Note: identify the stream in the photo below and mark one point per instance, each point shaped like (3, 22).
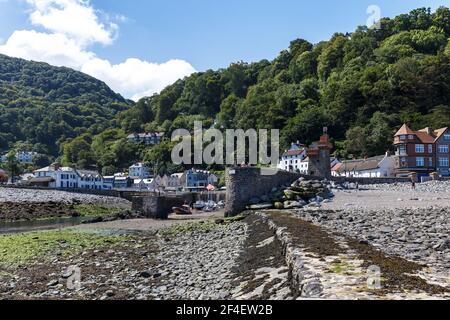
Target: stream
(12, 227)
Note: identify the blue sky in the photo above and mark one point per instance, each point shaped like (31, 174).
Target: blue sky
(202, 33)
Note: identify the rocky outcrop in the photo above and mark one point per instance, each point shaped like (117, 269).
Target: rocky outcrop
(301, 193)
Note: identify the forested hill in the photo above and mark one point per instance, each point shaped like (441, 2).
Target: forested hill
(362, 85)
(41, 105)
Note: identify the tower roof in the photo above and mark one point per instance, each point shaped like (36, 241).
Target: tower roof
(404, 130)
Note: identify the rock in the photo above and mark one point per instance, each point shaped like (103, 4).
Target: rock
(110, 293)
(292, 205)
(145, 274)
(53, 283)
(442, 246)
(261, 206)
(279, 205)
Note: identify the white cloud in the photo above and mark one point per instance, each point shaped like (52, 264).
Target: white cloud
(54, 48)
(137, 78)
(75, 18)
(74, 25)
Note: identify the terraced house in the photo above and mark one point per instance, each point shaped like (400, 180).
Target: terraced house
(422, 151)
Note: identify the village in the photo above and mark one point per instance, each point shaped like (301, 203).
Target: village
(420, 155)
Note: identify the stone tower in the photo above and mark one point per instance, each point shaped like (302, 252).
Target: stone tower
(319, 157)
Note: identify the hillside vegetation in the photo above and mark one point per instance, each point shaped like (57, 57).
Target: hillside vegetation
(362, 85)
(41, 106)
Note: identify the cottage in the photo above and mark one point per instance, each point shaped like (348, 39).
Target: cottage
(292, 159)
(374, 167)
(139, 171)
(122, 182)
(146, 138)
(89, 180)
(24, 157)
(144, 184)
(58, 177)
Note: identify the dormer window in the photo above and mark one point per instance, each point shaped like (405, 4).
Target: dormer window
(403, 137)
(410, 137)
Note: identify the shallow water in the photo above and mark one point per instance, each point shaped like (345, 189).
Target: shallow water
(45, 224)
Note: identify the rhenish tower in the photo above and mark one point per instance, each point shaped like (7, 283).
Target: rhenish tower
(319, 157)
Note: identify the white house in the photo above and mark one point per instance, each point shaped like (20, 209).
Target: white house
(144, 184)
(375, 167)
(147, 138)
(89, 180)
(291, 160)
(139, 171)
(25, 157)
(56, 177)
(68, 178)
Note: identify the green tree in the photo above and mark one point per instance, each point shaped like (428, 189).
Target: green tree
(12, 165)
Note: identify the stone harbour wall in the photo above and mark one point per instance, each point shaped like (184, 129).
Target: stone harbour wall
(245, 183)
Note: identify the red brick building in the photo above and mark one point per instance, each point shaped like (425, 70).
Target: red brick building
(422, 152)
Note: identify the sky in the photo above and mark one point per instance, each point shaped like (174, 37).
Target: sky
(138, 47)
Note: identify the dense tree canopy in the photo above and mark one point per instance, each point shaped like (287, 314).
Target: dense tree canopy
(44, 105)
(361, 85)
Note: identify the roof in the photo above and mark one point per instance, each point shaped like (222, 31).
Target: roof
(359, 164)
(84, 173)
(404, 130)
(46, 169)
(177, 175)
(146, 135)
(293, 152)
(337, 167)
(440, 132)
(425, 135)
(42, 180)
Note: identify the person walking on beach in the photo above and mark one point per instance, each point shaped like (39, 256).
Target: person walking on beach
(413, 184)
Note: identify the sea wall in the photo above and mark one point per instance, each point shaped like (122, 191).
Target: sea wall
(246, 183)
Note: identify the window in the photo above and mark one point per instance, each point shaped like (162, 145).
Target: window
(430, 148)
(404, 163)
(430, 162)
(447, 137)
(420, 162)
(410, 137)
(402, 137)
(402, 150)
(420, 148)
(443, 148)
(443, 162)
